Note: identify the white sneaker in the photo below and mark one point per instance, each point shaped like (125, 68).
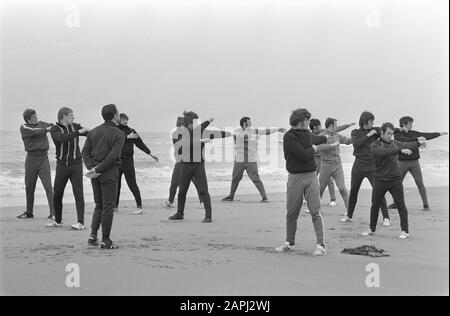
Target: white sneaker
(307, 211)
(168, 204)
(116, 210)
(286, 247)
(368, 233)
(54, 225)
(346, 219)
(387, 222)
(139, 211)
(78, 226)
(332, 204)
(320, 251)
(403, 235)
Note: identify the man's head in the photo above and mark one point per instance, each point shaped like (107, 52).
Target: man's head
(190, 119)
(387, 131)
(330, 123)
(123, 119)
(300, 118)
(315, 125)
(110, 113)
(366, 120)
(65, 116)
(30, 117)
(407, 122)
(180, 121)
(245, 122)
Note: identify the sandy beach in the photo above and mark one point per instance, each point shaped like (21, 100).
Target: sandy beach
(231, 256)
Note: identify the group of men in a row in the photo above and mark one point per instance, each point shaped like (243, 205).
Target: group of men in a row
(312, 160)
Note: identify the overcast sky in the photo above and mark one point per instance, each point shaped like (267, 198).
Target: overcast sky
(226, 59)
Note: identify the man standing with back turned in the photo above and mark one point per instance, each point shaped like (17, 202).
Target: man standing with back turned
(101, 155)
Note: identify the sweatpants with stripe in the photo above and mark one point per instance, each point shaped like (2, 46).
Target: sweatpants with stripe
(303, 186)
(252, 171)
(333, 170)
(64, 173)
(38, 166)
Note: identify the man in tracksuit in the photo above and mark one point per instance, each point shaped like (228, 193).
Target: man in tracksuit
(34, 137)
(174, 183)
(101, 155)
(127, 162)
(69, 165)
(364, 164)
(193, 163)
(246, 147)
(316, 128)
(299, 147)
(410, 163)
(331, 165)
(388, 177)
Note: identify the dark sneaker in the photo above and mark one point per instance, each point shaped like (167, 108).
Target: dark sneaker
(108, 245)
(228, 199)
(93, 242)
(176, 217)
(25, 216)
(392, 206)
(207, 220)
(426, 209)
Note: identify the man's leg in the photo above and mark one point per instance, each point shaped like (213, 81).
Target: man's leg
(31, 176)
(294, 202)
(416, 172)
(339, 178)
(404, 167)
(383, 206)
(252, 171)
(61, 177)
(313, 199)
(326, 171)
(358, 174)
(202, 187)
(196, 184)
(186, 174)
(378, 192)
(98, 210)
(76, 179)
(398, 195)
(174, 182)
(108, 186)
(46, 179)
(238, 173)
(130, 177)
(119, 186)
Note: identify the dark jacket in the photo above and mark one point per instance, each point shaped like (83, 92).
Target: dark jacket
(66, 140)
(412, 136)
(35, 138)
(361, 144)
(128, 147)
(191, 138)
(386, 161)
(103, 147)
(298, 150)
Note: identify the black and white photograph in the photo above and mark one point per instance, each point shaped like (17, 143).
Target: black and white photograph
(224, 155)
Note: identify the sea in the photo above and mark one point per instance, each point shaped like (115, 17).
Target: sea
(154, 178)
